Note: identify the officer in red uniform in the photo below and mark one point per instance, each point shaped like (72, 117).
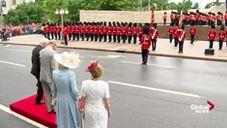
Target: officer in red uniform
(221, 37)
(182, 37)
(135, 33)
(129, 34)
(212, 35)
(171, 32)
(145, 44)
(192, 32)
(154, 37)
(176, 35)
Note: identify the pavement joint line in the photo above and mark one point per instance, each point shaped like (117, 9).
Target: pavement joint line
(11, 63)
(18, 50)
(157, 89)
(7, 110)
(155, 65)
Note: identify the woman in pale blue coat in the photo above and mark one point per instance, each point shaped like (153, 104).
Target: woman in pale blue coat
(65, 91)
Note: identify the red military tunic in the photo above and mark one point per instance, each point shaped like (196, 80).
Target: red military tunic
(135, 31)
(114, 32)
(176, 32)
(221, 35)
(109, 30)
(145, 42)
(182, 35)
(171, 30)
(192, 30)
(155, 35)
(130, 31)
(212, 34)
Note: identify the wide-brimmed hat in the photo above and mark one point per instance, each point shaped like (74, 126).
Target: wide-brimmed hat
(93, 65)
(69, 60)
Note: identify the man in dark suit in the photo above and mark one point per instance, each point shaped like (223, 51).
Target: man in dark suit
(36, 68)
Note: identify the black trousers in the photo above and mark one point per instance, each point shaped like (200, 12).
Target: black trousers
(164, 20)
(192, 38)
(176, 41)
(45, 35)
(70, 36)
(82, 36)
(134, 39)
(211, 44)
(77, 36)
(154, 42)
(66, 40)
(114, 38)
(129, 39)
(92, 36)
(220, 44)
(48, 35)
(118, 38)
(225, 22)
(170, 38)
(110, 37)
(96, 37)
(124, 38)
(181, 45)
(144, 55)
(100, 37)
(56, 35)
(219, 22)
(74, 36)
(104, 37)
(39, 95)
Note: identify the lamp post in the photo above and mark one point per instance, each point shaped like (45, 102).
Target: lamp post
(61, 12)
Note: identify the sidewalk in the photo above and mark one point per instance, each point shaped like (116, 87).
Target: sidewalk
(164, 48)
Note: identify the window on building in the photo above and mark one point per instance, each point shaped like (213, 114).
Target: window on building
(14, 2)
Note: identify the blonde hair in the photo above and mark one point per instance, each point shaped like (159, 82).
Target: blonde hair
(97, 72)
(60, 66)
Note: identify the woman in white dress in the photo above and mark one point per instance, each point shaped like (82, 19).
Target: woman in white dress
(95, 103)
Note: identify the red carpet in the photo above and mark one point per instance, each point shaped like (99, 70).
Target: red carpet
(38, 113)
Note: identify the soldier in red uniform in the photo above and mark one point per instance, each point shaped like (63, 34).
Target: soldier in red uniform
(82, 31)
(221, 37)
(124, 32)
(96, 27)
(154, 37)
(119, 32)
(171, 32)
(100, 31)
(192, 32)
(172, 17)
(77, 31)
(140, 32)
(219, 19)
(129, 33)
(114, 32)
(105, 30)
(55, 31)
(182, 37)
(92, 31)
(109, 31)
(212, 35)
(70, 31)
(197, 17)
(164, 18)
(135, 33)
(145, 44)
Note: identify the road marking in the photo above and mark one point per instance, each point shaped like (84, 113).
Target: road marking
(6, 46)
(5, 62)
(154, 65)
(7, 110)
(19, 50)
(156, 89)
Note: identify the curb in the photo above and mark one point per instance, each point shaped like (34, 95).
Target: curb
(131, 52)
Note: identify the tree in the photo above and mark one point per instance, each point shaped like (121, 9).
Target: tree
(25, 13)
(196, 5)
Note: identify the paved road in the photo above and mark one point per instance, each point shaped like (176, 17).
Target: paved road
(158, 95)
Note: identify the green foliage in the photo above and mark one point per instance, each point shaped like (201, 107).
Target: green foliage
(25, 13)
